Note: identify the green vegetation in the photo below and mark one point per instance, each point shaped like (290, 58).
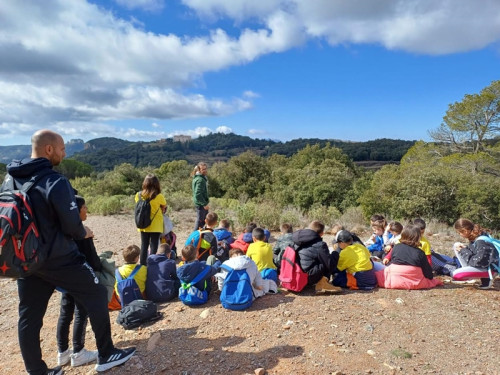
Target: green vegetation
(105, 153)
(401, 353)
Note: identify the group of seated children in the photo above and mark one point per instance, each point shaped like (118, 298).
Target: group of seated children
(405, 253)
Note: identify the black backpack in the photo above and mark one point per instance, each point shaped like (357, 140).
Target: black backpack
(143, 212)
(19, 236)
(138, 312)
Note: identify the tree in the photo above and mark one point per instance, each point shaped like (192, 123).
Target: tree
(469, 123)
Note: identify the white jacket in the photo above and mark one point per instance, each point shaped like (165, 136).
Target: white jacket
(259, 285)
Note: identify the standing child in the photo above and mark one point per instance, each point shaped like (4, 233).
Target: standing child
(79, 355)
(262, 254)
(131, 256)
(354, 266)
(162, 283)
(150, 236)
(192, 267)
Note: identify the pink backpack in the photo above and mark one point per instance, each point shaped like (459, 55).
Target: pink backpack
(291, 275)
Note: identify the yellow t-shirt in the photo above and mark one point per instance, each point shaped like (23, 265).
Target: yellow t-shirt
(425, 245)
(156, 225)
(354, 258)
(262, 254)
(140, 276)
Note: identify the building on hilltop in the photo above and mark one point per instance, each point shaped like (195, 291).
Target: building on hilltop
(182, 138)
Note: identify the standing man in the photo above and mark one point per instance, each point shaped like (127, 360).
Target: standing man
(59, 223)
(200, 193)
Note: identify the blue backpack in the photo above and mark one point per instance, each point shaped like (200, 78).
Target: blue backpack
(190, 295)
(200, 244)
(494, 263)
(128, 290)
(237, 292)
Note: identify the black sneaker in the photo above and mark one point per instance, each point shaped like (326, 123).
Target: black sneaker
(55, 371)
(116, 358)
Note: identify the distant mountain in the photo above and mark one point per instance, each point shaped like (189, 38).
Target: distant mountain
(9, 153)
(106, 153)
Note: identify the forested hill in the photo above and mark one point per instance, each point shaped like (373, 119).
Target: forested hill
(105, 153)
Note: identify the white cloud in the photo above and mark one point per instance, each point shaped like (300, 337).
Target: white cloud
(155, 125)
(147, 5)
(73, 62)
(224, 130)
(256, 132)
(422, 26)
(250, 94)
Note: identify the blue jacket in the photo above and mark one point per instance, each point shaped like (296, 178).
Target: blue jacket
(378, 245)
(54, 205)
(224, 234)
(189, 270)
(162, 283)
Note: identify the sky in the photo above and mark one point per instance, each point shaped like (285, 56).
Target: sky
(353, 70)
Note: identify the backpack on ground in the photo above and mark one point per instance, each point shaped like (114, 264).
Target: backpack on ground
(200, 244)
(291, 275)
(495, 255)
(190, 295)
(19, 236)
(237, 292)
(142, 212)
(128, 290)
(138, 312)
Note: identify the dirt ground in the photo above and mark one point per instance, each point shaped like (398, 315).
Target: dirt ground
(454, 329)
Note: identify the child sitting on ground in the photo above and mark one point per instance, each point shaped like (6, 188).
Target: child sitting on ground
(208, 241)
(162, 283)
(282, 243)
(314, 256)
(354, 265)
(192, 267)
(238, 261)
(376, 241)
(244, 239)
(261, 253)
(131, 257)
(224, 239)
(395, 229)
(425, 245)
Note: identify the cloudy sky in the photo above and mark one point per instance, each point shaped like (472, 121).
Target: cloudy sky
(279, 69)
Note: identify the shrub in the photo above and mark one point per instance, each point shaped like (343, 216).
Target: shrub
(327, 215)
(179, 200)
(294, 217)
(105, 205)
(245, 214)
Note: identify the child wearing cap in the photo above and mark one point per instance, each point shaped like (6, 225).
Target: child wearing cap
(354, 265)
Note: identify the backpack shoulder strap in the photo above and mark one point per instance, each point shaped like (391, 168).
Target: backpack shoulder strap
(200, 276)
(12, 183)
(226, 267)
(118, 275)
(134, 272)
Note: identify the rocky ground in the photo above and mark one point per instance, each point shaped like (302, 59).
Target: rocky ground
(453, 329)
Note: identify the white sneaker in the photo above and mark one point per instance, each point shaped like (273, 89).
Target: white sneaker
(64, 357)
(83, 356)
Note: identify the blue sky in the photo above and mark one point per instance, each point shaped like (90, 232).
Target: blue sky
(280, 69)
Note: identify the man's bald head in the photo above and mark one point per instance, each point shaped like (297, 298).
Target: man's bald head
(48, 144)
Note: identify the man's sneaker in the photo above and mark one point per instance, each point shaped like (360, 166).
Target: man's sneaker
(64, 357)
(55, 371)
(116, 358)
(83, 356)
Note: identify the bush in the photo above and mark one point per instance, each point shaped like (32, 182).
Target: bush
(327, 215)
(293, 217)
(245, 214)
(352, 218)
(106, 205)
(179, 200)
